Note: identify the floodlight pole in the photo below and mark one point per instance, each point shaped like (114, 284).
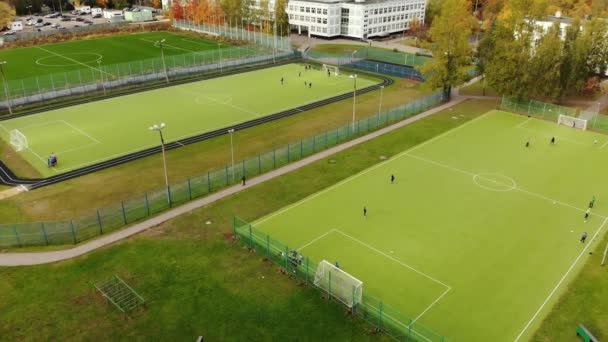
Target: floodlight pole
(231, 131)
(29, 7)
(160, 128)
(354, 77)
(162, 56)
(8, 100)
(380, 106)
(101, 75)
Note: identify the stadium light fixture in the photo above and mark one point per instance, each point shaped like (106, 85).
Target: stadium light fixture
(354, 78)
(162, 57)
(231, 131)
(159, 129)
(8, 100)
(101, 76)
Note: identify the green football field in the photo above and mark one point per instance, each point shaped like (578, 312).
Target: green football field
(58, 65)
(89, 133)
(477, 236)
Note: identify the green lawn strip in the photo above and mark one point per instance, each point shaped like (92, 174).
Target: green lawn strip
(583, 301)
(364, 51)
(193, 278)
(476, 89)
(81, 196)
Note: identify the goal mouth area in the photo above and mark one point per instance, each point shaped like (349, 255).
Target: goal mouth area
(18, 140)
(571, 121)
(339, 284)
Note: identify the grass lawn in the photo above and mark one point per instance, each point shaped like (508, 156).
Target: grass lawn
(93, 132)
(476, 89)
(470, 229)
(364, 51)
(195, 280)
(82, 195)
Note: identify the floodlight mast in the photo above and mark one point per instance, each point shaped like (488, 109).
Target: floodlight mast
(8, 100)
(159, 129)
(231, 132)
(162, 56)
(354, 78)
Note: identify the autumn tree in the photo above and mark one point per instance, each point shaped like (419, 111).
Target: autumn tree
(7, 12)
(450, 33)
(281, 17)
(416, 28)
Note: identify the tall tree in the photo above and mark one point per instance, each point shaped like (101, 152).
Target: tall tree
(281, 17)
(7, 12)
(545, 64)
(450, 33)
(574, 69)
(415, 29)
(594, 36)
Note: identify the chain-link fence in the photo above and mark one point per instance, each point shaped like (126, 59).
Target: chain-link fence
(537, 109)
(388, 69)
(366, 52)
(48, 33)
(126, 212)
(383, 317)
(83, 82)
(235, 31)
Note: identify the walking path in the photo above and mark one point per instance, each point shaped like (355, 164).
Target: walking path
(36, 258)
(304, 42)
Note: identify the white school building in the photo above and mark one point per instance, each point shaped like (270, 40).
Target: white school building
(357, 19)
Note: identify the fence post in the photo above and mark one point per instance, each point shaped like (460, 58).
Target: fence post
(244, 171)
(307, 269)
(274, 158)
(147, 204)
(329, 287)
(46, 238)
(17, 235)
(99, 221)
(301, 149)
(250, 237)
(287, 152)
(268, 245)
(314, 138)
(259, 164)
(234, 225)
(124, 214)
(73, 230)
(380, 316)
(208, 182)
(227, 174)
(189, 189)
(286, 257)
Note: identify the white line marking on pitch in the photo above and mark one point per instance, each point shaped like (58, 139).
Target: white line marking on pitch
(316, 239)
(81, 131)
(432, 304)
(517, 187)
(523, 123)
(73, 60)
(604, 144)
(559, 283)
(393, 259)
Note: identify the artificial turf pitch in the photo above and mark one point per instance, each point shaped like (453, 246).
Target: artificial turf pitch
(85, 134)
(477, 236)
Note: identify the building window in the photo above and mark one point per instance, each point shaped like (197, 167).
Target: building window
(325, 30)
(325, 11)
(324, 20)
(301, 9)
(307, 9)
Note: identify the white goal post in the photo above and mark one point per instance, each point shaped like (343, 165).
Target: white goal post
(18, 140)
(571, 121)
(339, 284)
(332, 69)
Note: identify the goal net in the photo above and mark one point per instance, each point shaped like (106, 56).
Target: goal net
(339, 284)
(18, 140)
(331, 69)
(571, 121)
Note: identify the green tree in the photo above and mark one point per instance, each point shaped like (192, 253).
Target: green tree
(545, 64)
(450, 33)
(574, 69)
(281, 17)
(594, 36)
(7, 12)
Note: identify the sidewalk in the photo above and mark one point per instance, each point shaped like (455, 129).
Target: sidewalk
(36, 258)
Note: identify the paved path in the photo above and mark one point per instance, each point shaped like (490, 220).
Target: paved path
(36, 258)
(304, 42)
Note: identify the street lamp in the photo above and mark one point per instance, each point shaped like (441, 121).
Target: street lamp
(8, 101)
(380, 106)
(231, 131)
(101, 77)
(162, 56)
(159, 129)
(354, 78)
(352, 55)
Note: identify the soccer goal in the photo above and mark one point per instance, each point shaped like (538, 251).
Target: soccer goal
(339, 284)
(18, 140)
(332, 69)
(571, 121)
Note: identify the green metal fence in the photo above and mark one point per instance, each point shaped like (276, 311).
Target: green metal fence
(108, 219)
(537, 109)
(382, 316)
(366, 52)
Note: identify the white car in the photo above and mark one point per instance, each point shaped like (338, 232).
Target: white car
(8, 33)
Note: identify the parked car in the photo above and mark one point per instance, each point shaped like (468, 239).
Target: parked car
(39, 25)
(79, 19)
(55, 26)
(46, 23)
(88, 22)
(39, 20)
(65, 19)
(76, 12)
(9, 32)
(97, 16)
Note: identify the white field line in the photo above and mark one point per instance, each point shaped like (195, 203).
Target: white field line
(353, 177)
(431, 305)
(73, 60)
(604, 144)
(5, 129)
(45, 162)
(560, 282)
(194, 41)
(316, 239)
(81, 131)
(521, 124)
(395, 260)
(77, 148)
(517, 187)
(557, 136)
(173, 47)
